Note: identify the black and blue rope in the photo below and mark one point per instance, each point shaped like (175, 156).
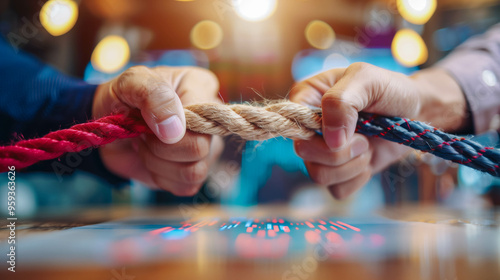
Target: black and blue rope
(423, 137)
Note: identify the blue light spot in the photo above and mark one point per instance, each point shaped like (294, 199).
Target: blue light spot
(175, 234)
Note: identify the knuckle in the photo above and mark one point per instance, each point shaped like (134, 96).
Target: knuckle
(132, 72)
(359, 66)
(203, 72)
(331, 100)
(137, 69)
(132, 88)
(195, 173)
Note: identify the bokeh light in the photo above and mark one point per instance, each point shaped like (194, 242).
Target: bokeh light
(409, 48)
(416, 11)
(58, 16)
(111, 54)
(319, 34)
(254, 10)
(335, 60)
(206, 35)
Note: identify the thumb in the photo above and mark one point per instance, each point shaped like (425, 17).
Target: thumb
(161, 108)
(364, 87)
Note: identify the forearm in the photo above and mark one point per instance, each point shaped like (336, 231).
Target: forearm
(475, 68)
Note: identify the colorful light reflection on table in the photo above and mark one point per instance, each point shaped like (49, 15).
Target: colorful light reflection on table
(272, 237)
(280, 240)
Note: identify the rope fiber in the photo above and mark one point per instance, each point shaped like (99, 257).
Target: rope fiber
(251, 122)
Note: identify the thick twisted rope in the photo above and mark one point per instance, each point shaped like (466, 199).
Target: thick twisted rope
(283, 118)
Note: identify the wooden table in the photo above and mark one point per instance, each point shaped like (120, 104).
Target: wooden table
(409, 262)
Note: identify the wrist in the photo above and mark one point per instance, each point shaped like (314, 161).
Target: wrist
(443, 103)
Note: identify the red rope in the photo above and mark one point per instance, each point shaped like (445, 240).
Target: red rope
(74, 139)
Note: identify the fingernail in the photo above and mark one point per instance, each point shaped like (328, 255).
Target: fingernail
(171, 129)
(359, 146)
(335, 138)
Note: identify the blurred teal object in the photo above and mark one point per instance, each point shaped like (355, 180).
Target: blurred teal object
(256, 166)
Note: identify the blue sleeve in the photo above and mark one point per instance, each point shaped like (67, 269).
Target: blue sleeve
(36, 99)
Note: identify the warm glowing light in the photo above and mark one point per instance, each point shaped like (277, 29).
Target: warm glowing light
(206, 35)
(416, 11)
(254, 10)
(111, 54)
(409, 48)
(58, 16)
(319, 34)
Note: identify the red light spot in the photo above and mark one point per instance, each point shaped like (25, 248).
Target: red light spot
(322, 227)
(349, 226)
(261, 233)
(286, 229)
(271, 233)
(296, 228)
(275, 220)
(158, 231)
(338, 225)
(309, 225)
(334, 237)
(276, 228)
(256, 220)
(213, 223)
(312, 237)
(249, 229)
(334, 228)
(254, 225)
(281, 221)
(322, 222)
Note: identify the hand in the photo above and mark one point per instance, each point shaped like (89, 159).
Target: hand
(345, 160)
(171, 159)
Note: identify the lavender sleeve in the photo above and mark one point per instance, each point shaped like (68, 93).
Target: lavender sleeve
(475, 65)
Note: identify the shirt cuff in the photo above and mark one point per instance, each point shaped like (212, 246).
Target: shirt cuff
(477, 75)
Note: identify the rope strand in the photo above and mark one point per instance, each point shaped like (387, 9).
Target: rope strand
(276, 119)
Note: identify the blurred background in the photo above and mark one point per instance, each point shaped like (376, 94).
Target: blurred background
(257, 49)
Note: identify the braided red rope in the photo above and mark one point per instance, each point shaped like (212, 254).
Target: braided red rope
(77, 138)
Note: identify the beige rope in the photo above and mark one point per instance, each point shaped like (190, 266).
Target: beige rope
(282, 118)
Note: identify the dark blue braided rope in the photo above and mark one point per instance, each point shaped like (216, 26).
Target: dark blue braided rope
(423, 137)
